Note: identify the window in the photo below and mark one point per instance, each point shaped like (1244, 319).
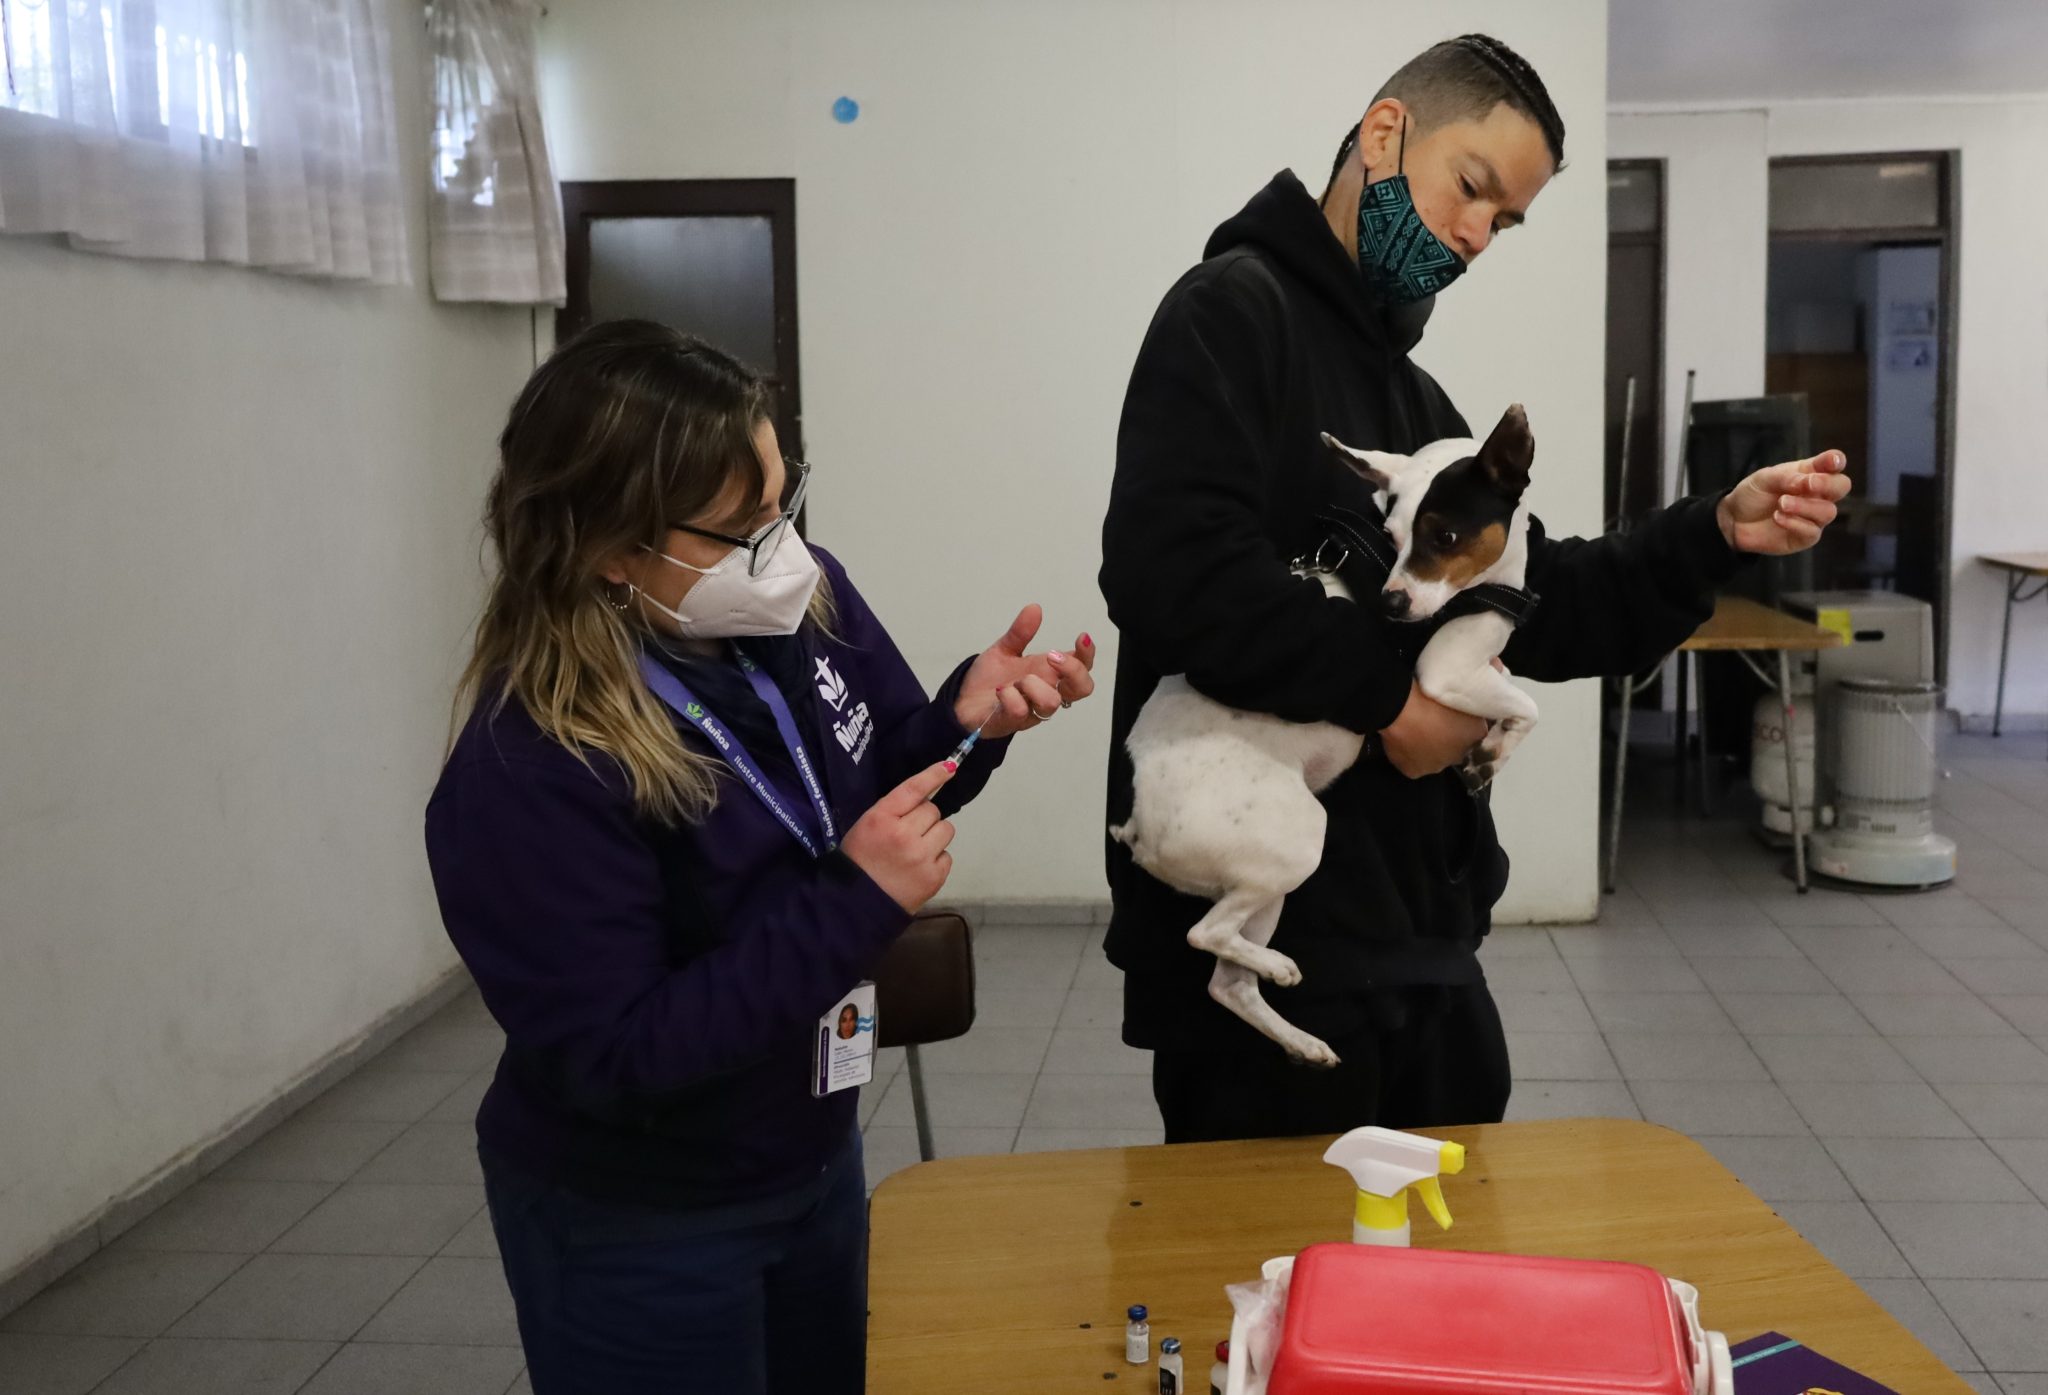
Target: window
(468, 100)
(1635, 197)
(1858, 192)
(27, 42)
(192, 75)
(218, 84)
(494, 218)
(134, 127)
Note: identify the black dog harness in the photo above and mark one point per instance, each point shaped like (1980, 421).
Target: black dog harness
(1356, 535)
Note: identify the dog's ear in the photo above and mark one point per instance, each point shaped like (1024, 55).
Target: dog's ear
(1507, 454)
(1375, 467)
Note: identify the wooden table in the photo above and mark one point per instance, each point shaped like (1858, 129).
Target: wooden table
(2019, 569)
(1738, 625)
(1012, 1273)
(1741, 624)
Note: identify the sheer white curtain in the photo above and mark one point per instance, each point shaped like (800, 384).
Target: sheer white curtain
(259, 132)
(494, 224)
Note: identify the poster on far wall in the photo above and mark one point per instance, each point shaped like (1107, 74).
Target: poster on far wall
(1909, 317)
(1909, 355)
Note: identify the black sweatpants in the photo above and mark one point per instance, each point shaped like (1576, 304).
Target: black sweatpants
(1431, 1057)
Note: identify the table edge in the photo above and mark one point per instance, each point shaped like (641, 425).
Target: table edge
(1605, 1122)
(2014, 562)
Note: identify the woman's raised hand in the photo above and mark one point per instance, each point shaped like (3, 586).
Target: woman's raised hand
(1023, 690)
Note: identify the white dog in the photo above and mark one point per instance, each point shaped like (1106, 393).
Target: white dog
(1224, 802)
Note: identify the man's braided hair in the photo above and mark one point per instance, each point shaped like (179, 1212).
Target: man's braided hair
(1465, 79)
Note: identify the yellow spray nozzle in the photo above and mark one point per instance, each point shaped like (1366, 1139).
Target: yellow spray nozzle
(1386, 1165)
(1391, 1212)
(1432, 1193)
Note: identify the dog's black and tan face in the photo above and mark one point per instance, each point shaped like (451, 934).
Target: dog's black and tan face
(1450, 508)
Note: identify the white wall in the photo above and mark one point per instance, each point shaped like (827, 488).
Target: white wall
(1716, 254)
(2001, 493)
(240, 553)
(1761, 51)
(979, 255)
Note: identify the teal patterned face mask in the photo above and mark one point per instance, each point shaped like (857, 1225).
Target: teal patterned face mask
(1400, 258)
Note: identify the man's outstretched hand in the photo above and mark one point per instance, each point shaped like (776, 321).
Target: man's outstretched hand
(1783, 509)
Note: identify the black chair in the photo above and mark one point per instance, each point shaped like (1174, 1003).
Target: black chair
(924, 993)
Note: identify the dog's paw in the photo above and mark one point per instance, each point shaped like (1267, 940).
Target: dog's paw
(1311, 1051)
(1477, 775)
(1286, 973)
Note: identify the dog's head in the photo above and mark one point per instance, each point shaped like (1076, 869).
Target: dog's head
(1450, 508)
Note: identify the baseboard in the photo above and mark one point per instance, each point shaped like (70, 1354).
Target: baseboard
(125, 1211)
(2013, 723)
(1032, 911)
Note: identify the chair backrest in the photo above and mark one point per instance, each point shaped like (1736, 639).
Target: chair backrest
(1919, 555)
(924, 986)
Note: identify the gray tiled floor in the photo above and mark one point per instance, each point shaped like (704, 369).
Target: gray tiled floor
(1874, 1066)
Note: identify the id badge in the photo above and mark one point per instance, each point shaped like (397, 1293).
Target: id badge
(844, 1055)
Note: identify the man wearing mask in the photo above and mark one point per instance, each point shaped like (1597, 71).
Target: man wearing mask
(1301, 321)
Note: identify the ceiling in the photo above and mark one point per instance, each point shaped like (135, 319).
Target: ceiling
(1665, 52)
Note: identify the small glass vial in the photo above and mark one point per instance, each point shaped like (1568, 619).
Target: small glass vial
(1138, 1337)
(1169, 1367)
(1219, 1374)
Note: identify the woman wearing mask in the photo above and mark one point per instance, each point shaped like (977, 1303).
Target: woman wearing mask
(697, 794)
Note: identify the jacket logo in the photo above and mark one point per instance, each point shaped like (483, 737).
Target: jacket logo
(694, 712)
(831, 686)
(855, 732)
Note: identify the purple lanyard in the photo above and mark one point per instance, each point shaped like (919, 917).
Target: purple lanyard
(671, 691)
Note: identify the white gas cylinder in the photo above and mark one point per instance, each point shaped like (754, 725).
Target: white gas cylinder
(1767, 757)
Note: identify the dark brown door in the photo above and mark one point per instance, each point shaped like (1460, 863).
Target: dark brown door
(713, 257)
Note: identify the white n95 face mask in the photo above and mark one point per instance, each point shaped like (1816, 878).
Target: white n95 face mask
(726, 603)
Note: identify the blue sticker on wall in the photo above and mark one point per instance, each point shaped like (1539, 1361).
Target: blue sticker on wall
(845, 110)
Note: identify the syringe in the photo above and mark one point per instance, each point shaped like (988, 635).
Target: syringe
(960, 752)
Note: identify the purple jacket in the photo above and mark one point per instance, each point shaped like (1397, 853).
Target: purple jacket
(660, 987)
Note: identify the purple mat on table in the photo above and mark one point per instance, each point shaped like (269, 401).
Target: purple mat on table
(1775, 1364)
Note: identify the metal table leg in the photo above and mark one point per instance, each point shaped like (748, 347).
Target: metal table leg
(2012, 591)
(1682, 715)
(1792, 770)
(1628, 700)
(1699, 702)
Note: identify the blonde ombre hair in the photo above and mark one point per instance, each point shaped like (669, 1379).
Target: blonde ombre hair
(626, 428)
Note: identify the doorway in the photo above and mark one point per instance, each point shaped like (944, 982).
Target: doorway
(1635, 338)
(712, 257)
(1861, 321)
(1634, 420)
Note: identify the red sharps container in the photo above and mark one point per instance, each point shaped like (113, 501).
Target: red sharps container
(1374, 1320)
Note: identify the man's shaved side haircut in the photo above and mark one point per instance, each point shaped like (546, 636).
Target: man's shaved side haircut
(1464, 79)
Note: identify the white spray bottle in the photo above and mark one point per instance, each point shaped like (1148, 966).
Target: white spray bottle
(1385, 1164)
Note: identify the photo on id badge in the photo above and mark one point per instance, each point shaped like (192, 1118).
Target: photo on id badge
(845, 1054)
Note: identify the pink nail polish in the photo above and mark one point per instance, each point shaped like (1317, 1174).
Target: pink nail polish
(1087, 643)
(1055, 656)
(952, 766)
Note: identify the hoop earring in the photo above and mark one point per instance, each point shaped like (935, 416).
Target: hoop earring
(620, 604)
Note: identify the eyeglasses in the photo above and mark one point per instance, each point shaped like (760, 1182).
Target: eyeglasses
(761, 546)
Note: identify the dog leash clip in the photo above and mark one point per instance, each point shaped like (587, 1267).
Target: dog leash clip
(1312, 563)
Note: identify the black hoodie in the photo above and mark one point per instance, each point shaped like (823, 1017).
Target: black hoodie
(1221, 480)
